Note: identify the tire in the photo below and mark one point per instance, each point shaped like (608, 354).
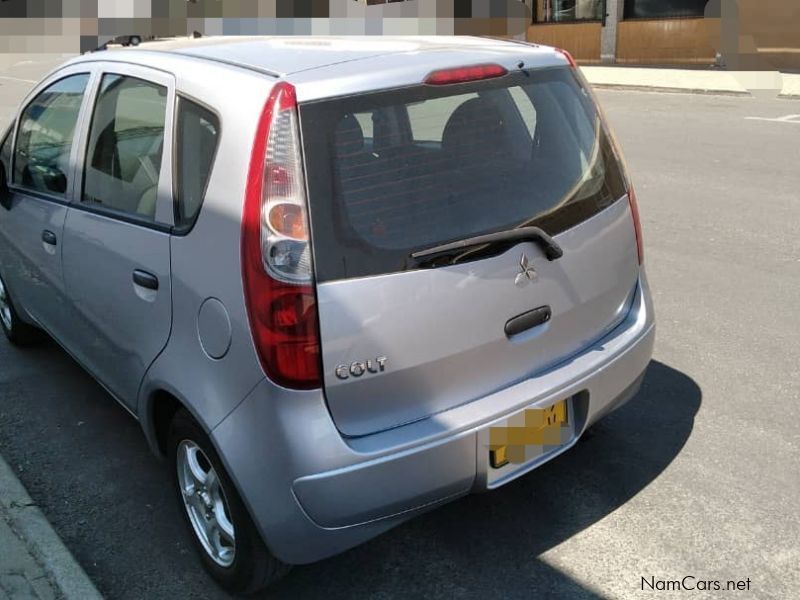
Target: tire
(243, 564)
(17, 331)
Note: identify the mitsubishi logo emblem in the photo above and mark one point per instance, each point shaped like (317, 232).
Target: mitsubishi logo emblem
(526, 272)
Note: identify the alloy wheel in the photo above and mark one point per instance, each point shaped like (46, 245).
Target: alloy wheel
(5, 306)
(205, 503)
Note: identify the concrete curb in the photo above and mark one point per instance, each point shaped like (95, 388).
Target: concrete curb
(42, 541)
(791, 87)
(666, 90)
(689, 81)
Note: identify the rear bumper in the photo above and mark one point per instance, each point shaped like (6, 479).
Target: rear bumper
(313, 494)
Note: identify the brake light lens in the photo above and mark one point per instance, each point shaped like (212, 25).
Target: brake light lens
(637, 224)
(465, 74)
(276, 253)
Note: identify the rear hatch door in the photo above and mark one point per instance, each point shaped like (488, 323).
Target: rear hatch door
(394, 173)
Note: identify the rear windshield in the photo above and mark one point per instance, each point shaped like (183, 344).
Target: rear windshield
(394, 172)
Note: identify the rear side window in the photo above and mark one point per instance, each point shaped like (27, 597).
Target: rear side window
(447, 162)
(196, 145)
(44, 140)
(126, 143)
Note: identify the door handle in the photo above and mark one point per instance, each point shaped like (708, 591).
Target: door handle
(145, 279)
(48, 237)
(528, 320)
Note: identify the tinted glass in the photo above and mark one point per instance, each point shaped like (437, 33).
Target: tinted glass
(126, 142)
(198, 129)
(662, 9)
(445, 163)
(44, 140)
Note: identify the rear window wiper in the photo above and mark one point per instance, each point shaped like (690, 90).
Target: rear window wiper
(483, 246)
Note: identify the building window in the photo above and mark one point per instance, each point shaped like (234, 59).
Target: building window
(664, 9)
(559, 11)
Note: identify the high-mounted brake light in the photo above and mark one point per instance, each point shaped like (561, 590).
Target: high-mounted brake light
(465, 74)
(276, 255)
(568, 56)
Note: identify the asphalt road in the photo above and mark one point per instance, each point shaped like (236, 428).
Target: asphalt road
(698, 476)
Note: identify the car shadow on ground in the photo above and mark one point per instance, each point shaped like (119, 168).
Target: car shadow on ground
(487, 544)
(85, 462)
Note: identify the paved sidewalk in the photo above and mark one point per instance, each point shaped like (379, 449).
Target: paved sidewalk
(34, 563)
(20, 575)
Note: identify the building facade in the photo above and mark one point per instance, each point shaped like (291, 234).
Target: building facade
(738, 34)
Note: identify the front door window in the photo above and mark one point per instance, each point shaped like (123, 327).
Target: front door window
(46, 131)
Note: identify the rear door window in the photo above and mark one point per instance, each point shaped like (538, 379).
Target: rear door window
(447, 162)
(126, 143)
(44, 138)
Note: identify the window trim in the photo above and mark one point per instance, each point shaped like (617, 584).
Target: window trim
(117, 216)
(164, 217)
(183, 229)
(670, 18)
(80, 123)
(569, 22)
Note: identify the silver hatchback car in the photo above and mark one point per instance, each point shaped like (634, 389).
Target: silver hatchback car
(338, 281)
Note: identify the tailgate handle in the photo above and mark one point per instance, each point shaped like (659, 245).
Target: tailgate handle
(529, 320)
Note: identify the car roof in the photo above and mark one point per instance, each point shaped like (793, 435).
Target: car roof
(327, 66)
(286, 55)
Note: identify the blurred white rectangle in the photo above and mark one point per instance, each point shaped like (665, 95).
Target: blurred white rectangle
(124, 9)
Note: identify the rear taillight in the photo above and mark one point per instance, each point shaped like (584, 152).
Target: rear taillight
(465, 74)
(276, 252)
(637, 224)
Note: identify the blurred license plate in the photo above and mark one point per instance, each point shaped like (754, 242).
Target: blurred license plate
(529, 434)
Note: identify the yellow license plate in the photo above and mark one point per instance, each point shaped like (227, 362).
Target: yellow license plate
(528, 434)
